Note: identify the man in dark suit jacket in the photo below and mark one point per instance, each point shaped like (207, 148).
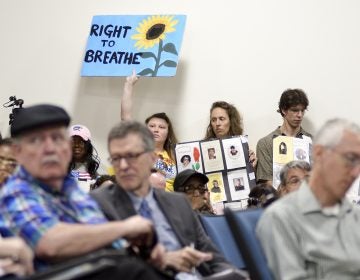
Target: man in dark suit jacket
(131, 149)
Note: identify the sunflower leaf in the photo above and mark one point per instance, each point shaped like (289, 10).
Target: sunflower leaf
(169, 63)
(147, 55)
(170, 48)
(145, 72)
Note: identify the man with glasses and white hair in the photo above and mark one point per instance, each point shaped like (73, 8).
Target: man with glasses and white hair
(314, 233)
(291, 176)
(189, 252)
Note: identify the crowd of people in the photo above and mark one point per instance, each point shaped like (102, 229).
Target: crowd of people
(57, 201)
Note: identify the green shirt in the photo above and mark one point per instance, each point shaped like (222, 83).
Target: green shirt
(303, 241)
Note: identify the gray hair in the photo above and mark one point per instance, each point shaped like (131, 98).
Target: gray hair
(125, 128)
(330, 134)
(300, 164)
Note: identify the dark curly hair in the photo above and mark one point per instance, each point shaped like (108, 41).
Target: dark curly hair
(292, 97)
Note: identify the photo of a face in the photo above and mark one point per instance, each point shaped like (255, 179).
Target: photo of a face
(233, 151)
(300, 154)
(211, 153)
(238, 184)
(215, 187)
(185, 160)
(282, 148)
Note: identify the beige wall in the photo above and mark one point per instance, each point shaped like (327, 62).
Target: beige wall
(243, 52)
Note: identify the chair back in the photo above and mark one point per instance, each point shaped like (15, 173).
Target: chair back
(243, 224)
(219, 232)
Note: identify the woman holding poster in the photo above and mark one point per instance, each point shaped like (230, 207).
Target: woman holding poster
(225, 121)
(162, 130)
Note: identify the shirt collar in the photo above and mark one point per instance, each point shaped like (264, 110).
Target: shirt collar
(278, 132)
(136, 200)
(308, 202)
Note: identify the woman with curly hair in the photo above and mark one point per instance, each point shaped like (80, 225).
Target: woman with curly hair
(226, 121)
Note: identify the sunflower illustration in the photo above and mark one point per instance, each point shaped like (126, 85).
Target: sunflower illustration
(152, 30)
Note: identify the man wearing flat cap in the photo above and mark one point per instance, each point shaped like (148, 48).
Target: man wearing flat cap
(193, 184)
(44, 205)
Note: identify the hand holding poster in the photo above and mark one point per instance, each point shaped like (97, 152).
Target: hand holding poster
(148, 44)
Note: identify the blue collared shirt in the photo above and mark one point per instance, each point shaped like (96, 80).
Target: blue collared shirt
(163, 229)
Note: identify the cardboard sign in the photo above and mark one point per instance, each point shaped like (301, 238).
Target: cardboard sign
(148, 44)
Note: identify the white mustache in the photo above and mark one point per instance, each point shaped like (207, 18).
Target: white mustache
(50, 159)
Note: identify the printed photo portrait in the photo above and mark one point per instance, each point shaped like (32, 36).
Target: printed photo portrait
(301, 154)
(233, 151)
(282, 148)
(185, 161)
(239, 184)
(211, 153)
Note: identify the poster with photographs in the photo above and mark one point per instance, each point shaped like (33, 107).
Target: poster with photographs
(212, 156)
(216, 187)
(234, 154)
(225, 162)
(188, 156)
(238, 184)
(286, 149)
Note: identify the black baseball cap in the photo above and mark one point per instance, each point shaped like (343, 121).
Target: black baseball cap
(184, 176)
(37, 116)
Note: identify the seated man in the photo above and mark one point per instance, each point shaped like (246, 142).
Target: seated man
(189, 251)
(291, 176)
(314, 233)
(43, 204)
(193, 184)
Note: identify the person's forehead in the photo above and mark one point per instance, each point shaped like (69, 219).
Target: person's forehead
(297, 172)
(157, 121)
(219, 112)
(297, 107)
(130, 143)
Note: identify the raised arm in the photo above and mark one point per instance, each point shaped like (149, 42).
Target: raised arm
(126, 99)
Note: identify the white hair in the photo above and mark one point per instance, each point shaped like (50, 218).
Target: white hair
(332, 131)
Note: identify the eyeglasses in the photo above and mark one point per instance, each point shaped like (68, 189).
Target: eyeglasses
(294, 181)
(8, 163)
(190, 189)
(129, 158)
